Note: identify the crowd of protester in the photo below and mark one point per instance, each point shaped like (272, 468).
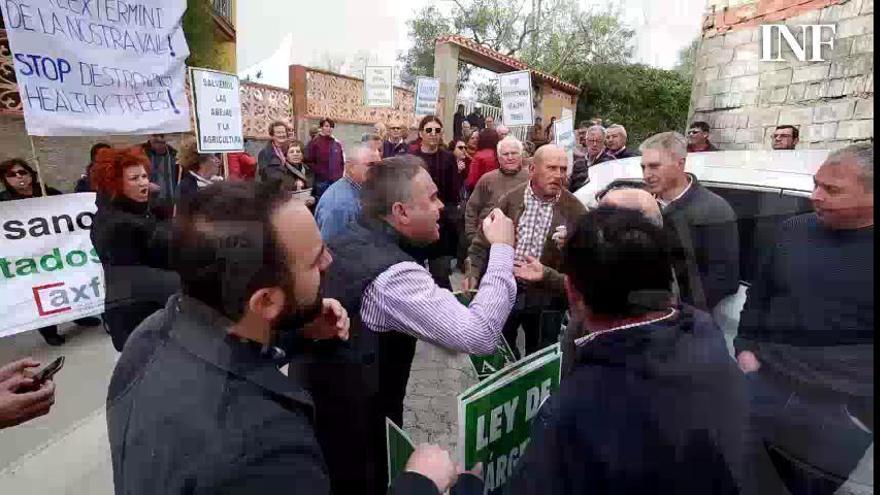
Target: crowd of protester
(335, 260)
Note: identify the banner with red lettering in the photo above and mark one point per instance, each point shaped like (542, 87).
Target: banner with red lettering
(49, 271)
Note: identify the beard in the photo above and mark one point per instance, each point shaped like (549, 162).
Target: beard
(288, 325)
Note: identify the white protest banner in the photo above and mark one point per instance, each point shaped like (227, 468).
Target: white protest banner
(427, 95)
(49, 271)
(564, 132)
(101, 67)
(218, 111)
(516, 98)
(378, 87)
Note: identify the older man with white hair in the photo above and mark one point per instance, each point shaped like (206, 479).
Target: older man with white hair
(615, 142)
(495, 184)
(595, 141)
(502, 130)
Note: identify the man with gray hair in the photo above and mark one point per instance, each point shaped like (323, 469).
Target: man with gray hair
(495, 184)
(596, 153)
(703, 223)
(340, 205)
(806, 333)
(379, 277)
(615, 142)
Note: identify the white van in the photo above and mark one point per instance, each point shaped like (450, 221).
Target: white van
(763, 187)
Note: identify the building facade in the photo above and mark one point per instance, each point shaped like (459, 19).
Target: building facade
(743, 97)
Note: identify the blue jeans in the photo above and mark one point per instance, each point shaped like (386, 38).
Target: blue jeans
(811, 440)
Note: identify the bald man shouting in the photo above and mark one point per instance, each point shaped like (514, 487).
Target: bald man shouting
(538, 208)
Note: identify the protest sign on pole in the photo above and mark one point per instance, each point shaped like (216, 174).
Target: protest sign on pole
(516, 98)
(378, 87)
(398, 447)
(427, 95)
(49, 270)
(565, 139)
(217, 104)
(99, 68)
(495, 417)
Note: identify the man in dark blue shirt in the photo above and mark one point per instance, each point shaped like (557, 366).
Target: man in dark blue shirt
(806, 334)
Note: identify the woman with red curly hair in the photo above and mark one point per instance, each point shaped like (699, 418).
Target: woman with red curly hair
(132, 245)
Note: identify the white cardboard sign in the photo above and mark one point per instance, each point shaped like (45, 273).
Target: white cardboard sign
(378, 87)
(516, 98)
(217, 103)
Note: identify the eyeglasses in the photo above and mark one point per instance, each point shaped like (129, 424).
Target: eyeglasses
(693, 131)
(17, 173)
(461, 147)
(433, 130)
(394, 128)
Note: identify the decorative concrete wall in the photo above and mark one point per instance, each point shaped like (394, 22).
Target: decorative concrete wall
(743, 98)
(261, 105)
(326, 94)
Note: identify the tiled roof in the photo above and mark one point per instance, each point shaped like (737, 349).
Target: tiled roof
(511, 62)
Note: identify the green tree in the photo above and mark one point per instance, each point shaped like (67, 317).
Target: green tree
(556, 36)
(643, 99)
(488, 92)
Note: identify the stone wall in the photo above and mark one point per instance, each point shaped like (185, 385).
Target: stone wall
(743, 98)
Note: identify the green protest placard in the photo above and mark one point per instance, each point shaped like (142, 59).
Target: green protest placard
(399, 448)
(485, 366)
(495, 418)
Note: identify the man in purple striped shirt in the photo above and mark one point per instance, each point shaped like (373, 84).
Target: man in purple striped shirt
(379, 277)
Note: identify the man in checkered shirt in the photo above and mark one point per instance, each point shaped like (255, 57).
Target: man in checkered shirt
(539, 209)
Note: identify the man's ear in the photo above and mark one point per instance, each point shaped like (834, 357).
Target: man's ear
(267, 303)
(398, 213)
(575, 299)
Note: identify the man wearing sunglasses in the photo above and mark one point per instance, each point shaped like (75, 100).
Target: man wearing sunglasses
(698, 138)
(394, 143)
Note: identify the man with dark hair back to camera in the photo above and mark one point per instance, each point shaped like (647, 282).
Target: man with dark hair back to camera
(197, 403)
(393, 301)
(785, 137)
(654, 403)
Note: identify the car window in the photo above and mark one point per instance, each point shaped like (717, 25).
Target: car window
(758, 213)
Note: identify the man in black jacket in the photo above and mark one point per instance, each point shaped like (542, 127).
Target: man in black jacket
(197, 403)
(806, 335)
(615, 143)
(594, 140)
(164, 175)
(704, 224)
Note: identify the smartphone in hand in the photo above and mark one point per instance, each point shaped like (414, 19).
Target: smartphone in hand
(43, 375)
